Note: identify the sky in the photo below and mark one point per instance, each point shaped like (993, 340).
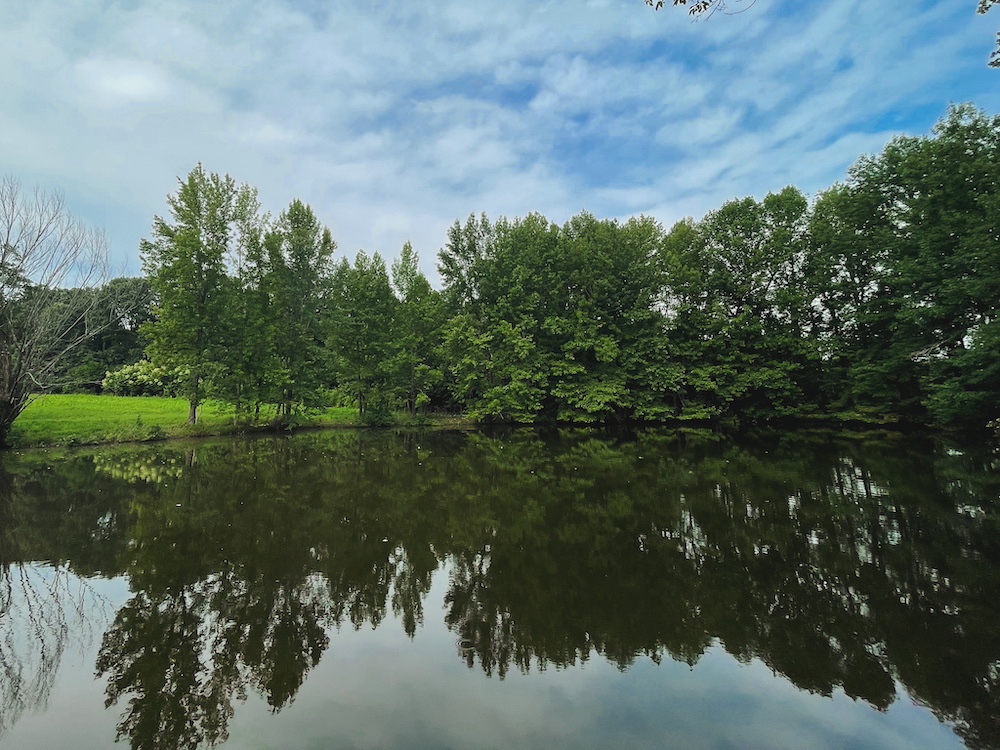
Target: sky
(392, 120)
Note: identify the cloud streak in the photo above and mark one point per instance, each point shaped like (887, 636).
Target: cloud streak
(393, 121)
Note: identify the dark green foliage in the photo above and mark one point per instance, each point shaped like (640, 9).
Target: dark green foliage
(602, 330)
(297, 283)
(739, 314)
(115, 312)
(415, 367)
(562, 321)
(919, 229)
(363, 310)
(878, 300)
(598, 321)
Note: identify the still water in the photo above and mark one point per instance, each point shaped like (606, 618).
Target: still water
(522, 590)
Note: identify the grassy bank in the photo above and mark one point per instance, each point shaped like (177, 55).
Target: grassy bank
(76, 419)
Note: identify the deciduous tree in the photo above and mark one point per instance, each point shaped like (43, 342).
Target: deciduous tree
(416, 370)
(299, 274)
(363, 311)
(42, 249)
(212, 219)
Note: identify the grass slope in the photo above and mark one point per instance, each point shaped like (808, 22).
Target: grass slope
(77, 419)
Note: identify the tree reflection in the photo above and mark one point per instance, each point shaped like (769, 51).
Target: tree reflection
(44, 608)
(242, 563)
(843, 569)
(842, 566)
(184, 656)
(33, 636)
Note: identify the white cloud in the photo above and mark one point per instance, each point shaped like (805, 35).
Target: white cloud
(120, 81)
(393, 120)
(709, 126)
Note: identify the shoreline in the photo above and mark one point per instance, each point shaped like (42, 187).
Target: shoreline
(72, 420)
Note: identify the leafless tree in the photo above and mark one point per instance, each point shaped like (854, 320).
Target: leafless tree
(43, 249)
(45, 609)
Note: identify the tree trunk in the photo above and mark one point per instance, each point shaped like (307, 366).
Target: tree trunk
(193, 400)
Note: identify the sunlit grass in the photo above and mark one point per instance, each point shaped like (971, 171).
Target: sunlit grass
(77, 419)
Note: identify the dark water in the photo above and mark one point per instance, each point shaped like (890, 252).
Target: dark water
(415, 590)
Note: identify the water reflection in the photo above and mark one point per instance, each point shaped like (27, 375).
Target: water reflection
(45, 609)
(840, 565)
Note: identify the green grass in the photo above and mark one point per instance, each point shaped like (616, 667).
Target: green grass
(76, 419)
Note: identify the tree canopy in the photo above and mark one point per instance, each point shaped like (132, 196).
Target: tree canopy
(874, 300)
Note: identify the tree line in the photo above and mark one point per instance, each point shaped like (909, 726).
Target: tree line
(877, 299)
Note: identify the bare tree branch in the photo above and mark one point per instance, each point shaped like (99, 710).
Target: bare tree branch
(710, 7)
(43, 250)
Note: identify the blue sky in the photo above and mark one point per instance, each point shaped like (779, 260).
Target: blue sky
(394, 119)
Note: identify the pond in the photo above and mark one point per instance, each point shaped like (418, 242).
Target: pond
(383, 589)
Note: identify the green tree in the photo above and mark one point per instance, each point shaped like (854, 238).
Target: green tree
(848, 268)
(361, 331)
(246, 366)
(692, 323)
(494, 369)
(460, 261)
(739, 316)
(212, 220)
(115, 312)
(609, 360)
(299, 275)
(563, 324)
(931, 213)
(419, 319)
(491, 343)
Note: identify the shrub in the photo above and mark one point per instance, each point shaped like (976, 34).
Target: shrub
(143, 379)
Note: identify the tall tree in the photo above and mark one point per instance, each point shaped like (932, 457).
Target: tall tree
(300, 268)
(932, 213)
(608, 362)
(737, 307)
(848, 266)
(185, 260)
(43, 247)
(460, 261)
(415, 367)
(246, 365)
(361, 331)
(563, 324)
(496, 365)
